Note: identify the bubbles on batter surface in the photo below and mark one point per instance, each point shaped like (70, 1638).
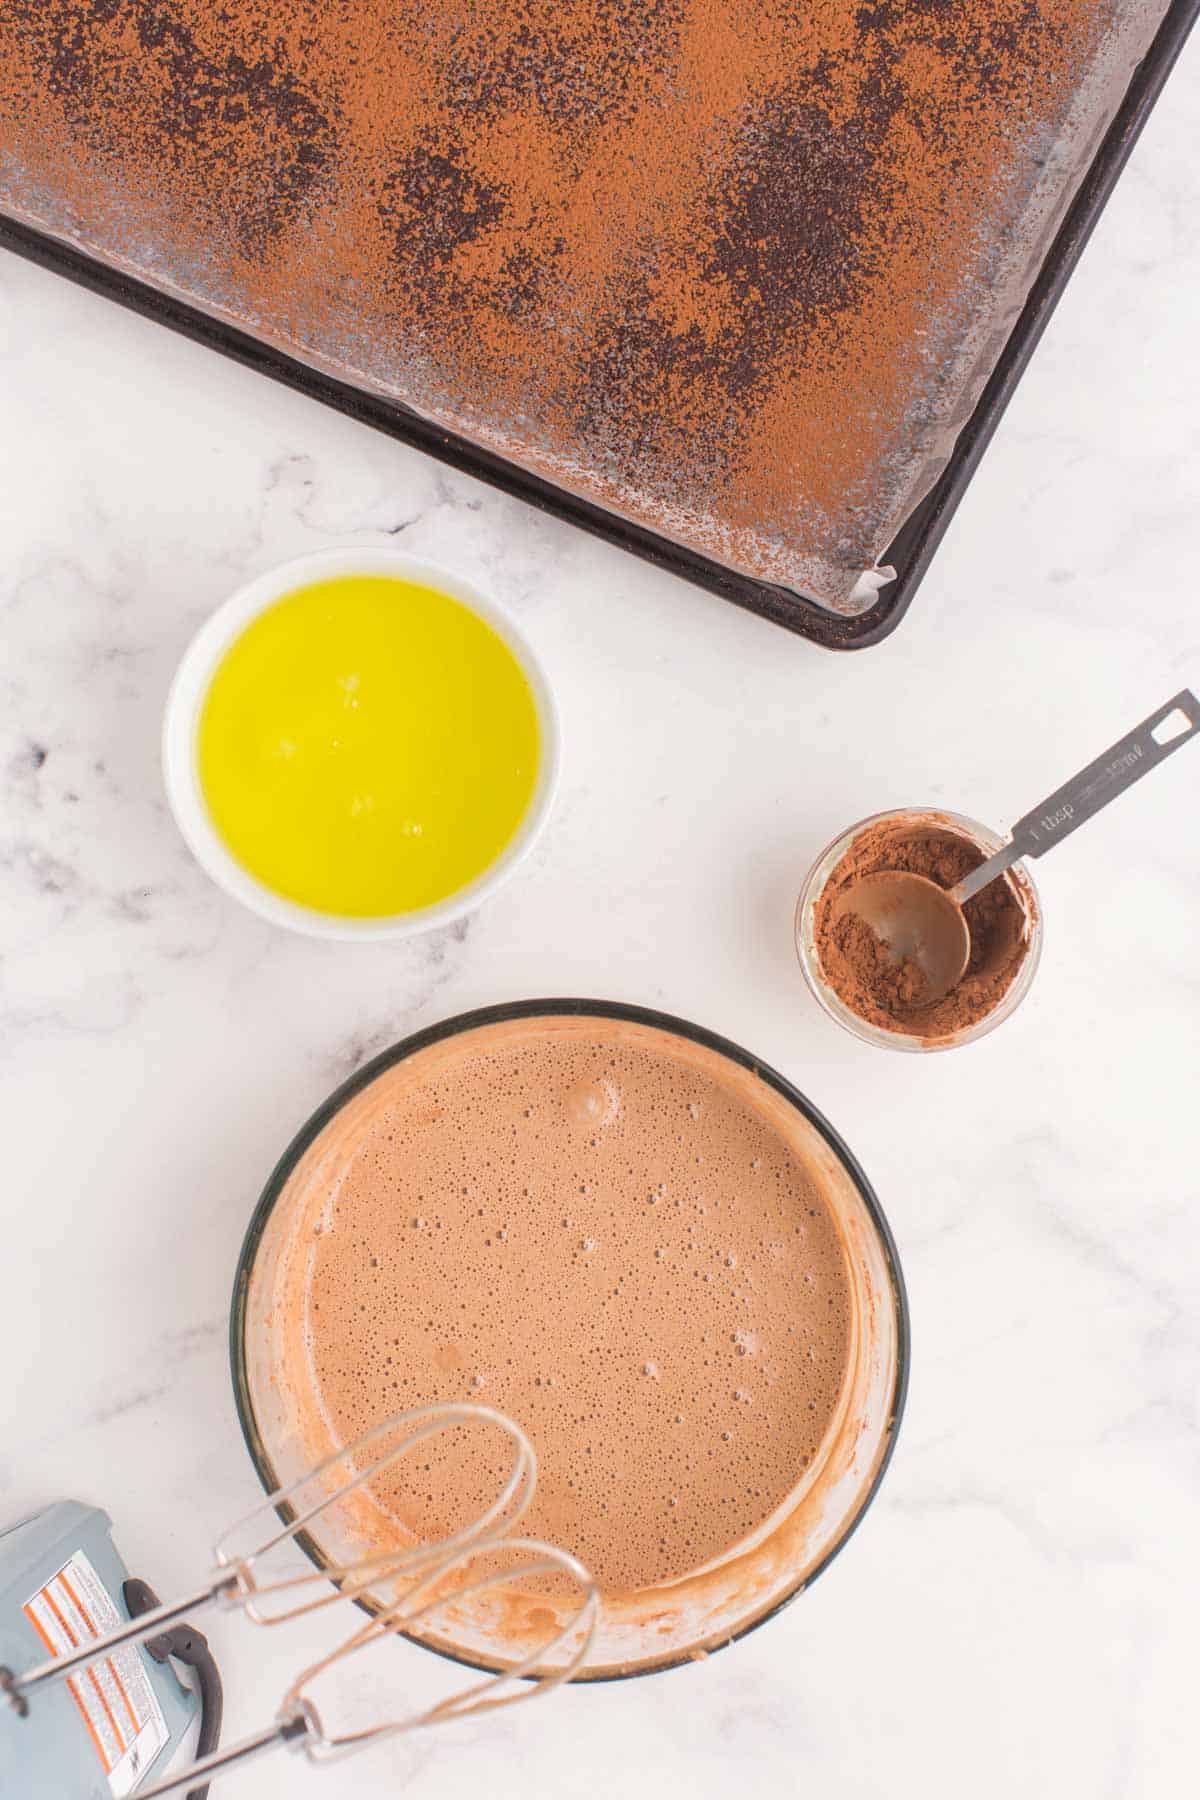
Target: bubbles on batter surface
(523, 1227)
(593, 1104)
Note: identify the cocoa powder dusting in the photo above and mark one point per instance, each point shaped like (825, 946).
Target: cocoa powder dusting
(735, 272)
(888, 992)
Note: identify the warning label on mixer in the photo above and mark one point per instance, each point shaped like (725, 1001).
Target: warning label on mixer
(119, 1708)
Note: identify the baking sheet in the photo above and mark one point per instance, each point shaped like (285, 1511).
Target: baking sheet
(155, 151)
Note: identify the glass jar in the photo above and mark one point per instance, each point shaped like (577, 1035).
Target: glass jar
(917, 819)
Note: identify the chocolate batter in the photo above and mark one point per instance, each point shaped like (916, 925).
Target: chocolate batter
(888, 992)
(576, 1221)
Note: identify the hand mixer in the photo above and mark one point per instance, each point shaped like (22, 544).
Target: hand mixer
(424, 1577)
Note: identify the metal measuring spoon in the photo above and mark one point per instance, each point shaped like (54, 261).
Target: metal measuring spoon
(915, 917)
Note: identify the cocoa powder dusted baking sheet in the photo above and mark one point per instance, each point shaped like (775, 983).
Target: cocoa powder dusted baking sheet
(735, 274)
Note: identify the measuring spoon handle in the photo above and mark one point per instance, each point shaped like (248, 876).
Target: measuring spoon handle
(1071, 805)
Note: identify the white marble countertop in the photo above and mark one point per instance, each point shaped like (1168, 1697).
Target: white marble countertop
(1015, 1614)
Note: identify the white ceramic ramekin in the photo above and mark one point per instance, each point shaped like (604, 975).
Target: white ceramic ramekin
(186, 699)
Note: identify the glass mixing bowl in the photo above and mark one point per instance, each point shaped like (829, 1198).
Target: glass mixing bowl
(654, 1629)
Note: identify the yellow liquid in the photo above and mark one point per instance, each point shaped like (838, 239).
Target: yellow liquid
(368, 746)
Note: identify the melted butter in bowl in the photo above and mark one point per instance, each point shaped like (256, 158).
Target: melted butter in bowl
(359, 745)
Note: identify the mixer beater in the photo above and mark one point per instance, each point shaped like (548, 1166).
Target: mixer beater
(422, 1579)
